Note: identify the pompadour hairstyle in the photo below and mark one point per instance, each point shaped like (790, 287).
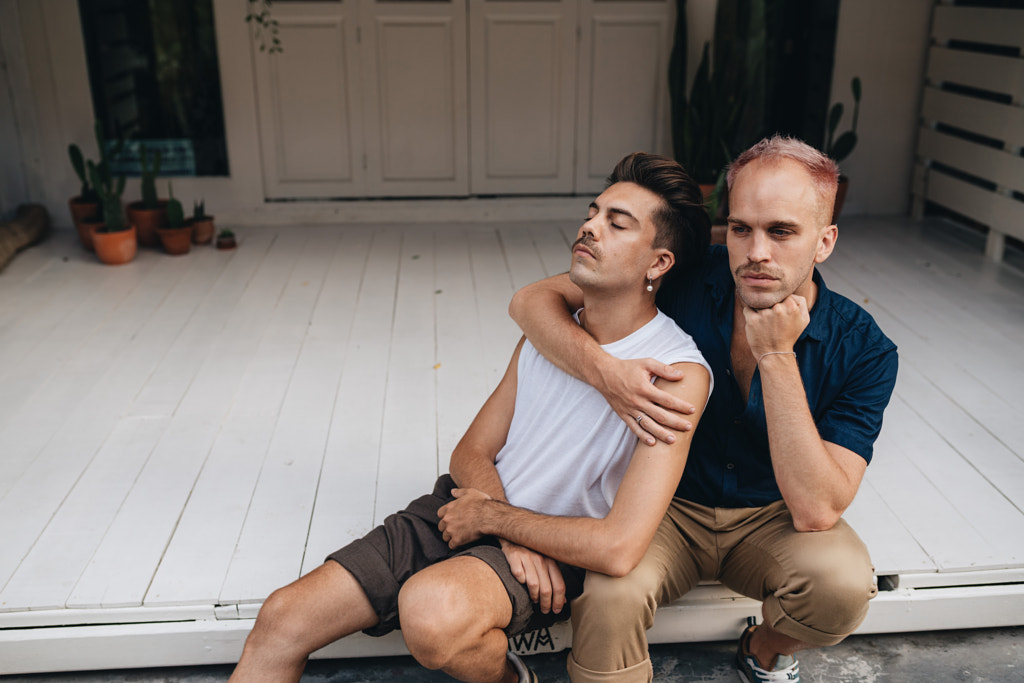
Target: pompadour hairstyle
(683, 225)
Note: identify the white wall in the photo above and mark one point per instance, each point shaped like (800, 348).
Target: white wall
(885, 43)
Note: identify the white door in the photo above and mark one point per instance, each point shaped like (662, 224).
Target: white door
(522, 71)
(415, 97)
(310, 113)
(623, 85)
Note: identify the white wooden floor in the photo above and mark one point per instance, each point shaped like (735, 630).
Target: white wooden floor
(181, 435)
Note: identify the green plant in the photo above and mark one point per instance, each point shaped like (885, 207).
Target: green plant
(225, 233)
(88, 192)
(722, 112)
(198, 210)
(109, 193)
(175, 211)
(149, 174)
(263, 25)
(840, 148)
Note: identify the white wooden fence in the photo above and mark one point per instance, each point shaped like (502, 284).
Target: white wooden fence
(972, 120)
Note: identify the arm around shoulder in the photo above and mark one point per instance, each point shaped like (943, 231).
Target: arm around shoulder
(615, 544)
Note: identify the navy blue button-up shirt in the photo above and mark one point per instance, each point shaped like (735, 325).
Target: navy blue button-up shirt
(847, 364)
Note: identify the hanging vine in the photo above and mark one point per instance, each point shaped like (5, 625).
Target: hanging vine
(264, 26)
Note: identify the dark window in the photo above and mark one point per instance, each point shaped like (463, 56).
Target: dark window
(155, 81)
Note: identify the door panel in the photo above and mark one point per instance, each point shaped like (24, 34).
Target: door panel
(623, 87)
(415, 104)
(311, 133)
(522, 68)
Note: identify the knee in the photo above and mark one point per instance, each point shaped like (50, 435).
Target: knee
(280, 624)
(616, 599)
(836, 592)
(436, 621)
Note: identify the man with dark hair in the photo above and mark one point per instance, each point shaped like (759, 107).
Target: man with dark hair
(545, 442)
(803, 377)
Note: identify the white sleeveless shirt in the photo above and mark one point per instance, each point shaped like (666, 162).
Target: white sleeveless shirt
(567, 451)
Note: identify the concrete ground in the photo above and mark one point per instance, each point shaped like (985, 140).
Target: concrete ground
(974, 656)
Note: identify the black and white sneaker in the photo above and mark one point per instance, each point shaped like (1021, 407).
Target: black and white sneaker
(526, 674)
(786, 667)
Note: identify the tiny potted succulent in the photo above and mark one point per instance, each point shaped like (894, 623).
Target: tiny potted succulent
(226, 239)
(113, 238)
(202, 224)
(177, 236)
(151, 212)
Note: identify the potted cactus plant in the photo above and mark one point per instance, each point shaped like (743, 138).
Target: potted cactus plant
(151, 212)
(85, 206)
(113, 237)
(202, 224)
(177, 235)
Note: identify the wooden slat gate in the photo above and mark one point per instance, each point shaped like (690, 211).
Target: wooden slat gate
(972, 120)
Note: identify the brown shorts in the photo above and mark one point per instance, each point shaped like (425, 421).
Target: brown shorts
(408, 541)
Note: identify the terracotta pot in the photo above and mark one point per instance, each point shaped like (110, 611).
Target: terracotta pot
(176, 241)
(226, 242)
(146, 221)
(114, 248)
(82, 211)
(844, 185)
(202, 231)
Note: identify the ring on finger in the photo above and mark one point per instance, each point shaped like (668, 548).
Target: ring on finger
(639, 418)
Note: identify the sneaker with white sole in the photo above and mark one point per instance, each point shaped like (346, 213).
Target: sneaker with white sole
(786, 667)
(526, 674)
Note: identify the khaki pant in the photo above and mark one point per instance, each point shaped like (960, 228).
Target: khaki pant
(814, 586)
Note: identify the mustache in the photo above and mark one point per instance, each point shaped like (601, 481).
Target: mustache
(588, 242)
(758, 270)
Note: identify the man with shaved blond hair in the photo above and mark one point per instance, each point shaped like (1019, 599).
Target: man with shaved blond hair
(803, 376)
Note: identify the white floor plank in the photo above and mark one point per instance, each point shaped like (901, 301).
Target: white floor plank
(350, 463)
(552, 246)
(462, 383)
(408, 462)
(155, 504)
(51, 569)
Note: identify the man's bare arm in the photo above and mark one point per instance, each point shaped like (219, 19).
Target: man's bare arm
(472, 466)
(543, 310)
(472, 461)
(613, 545)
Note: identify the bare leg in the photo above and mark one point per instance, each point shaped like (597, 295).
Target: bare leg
(766, 644)
(452, 616)
(295, 621)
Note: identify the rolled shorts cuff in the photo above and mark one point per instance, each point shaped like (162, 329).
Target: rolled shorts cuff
(777, 618)
(638, 673)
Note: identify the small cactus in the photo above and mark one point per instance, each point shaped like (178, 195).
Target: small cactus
(89, 192)
(198, 210)
(109, 192)
(175, 211)
(149, 174)
(78, 163)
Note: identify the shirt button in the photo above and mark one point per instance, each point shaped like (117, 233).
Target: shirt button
(737, 421)
(728, 373)
(730, 466)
